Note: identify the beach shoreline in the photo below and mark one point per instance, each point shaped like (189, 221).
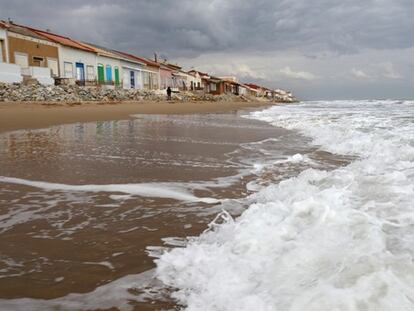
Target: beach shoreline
(35, 115)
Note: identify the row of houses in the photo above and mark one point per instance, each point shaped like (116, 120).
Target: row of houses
(29, 53)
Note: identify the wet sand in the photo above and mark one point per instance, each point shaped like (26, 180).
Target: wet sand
(24, 115)
(56, 240)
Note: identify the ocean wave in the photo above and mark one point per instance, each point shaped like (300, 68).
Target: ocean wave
(339, 239)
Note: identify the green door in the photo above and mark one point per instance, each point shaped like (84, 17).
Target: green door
(116, 76)
(101, 74)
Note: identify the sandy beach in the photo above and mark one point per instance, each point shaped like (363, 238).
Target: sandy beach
(29, 115)
(152, 170)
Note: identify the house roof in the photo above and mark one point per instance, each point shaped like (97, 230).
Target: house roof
(253, 86)
(52, 37)
(164, 67)
(201, 74)
(171, 66)
(102, 50)
(139, 59)
(25, 31)
(246, 85)
(128, 57)
(64, 41)
(3, 24)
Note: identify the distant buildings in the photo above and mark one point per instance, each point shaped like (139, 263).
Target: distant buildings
(27, 53)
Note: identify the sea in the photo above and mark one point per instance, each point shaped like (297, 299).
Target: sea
(320, 218)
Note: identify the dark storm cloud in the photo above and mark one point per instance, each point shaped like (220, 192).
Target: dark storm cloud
(318, 48)
(193, 27)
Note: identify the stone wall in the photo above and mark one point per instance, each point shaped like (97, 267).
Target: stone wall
(74, 93)
(19, 92)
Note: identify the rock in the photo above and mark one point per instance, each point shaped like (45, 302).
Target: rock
(75, 93)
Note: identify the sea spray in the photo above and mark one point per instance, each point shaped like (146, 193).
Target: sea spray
(324, 240)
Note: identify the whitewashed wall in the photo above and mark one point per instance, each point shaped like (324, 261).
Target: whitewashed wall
(67, 54)
(42, 74)
(195, 79)
(112, 62)
(10, 73)
(127, 67)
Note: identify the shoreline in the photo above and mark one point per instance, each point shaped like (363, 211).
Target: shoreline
(35, 115)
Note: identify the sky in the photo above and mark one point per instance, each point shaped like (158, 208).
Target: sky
(319, 49)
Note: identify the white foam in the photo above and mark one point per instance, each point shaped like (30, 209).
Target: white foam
(324, 240)
(156, 190)
(117, 294)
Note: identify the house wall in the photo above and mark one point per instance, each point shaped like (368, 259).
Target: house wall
(151, 78)
(166, 79)
(10, 73)
(127, 67)
(32, 47)
(196, 82)
(3, 46)
(113, 62)
(73, 56)
(219, 89)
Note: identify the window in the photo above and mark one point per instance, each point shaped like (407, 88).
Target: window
(21, 59)
(90, 72)
(38, 61)
(52, 63)
(213, 87)
(68, 70)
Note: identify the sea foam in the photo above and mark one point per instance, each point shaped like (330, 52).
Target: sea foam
(324, 240)
(156, 190)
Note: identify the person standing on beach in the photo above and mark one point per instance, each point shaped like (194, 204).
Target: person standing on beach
(168, 93)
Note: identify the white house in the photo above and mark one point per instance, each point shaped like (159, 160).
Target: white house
(76, 60)
(9, 73)
(132, 71)
(108, 65)
(194, 80)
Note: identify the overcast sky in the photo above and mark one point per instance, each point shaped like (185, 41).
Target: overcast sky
(319, 49)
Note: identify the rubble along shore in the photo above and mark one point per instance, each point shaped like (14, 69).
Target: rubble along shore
(75, 93)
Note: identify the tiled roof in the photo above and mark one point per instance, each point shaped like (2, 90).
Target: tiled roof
(141, 59)
(58, 39)
(3, 24)
(22, 30)
(253, 86)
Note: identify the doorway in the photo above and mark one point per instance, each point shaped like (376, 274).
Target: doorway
(132, 77)
(80, 72)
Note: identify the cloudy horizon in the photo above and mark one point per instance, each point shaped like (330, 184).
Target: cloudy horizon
(322, 49)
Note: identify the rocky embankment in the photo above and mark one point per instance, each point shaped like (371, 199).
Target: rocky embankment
(74, 93)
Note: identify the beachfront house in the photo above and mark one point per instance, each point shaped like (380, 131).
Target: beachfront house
(231, 85)
(108, 66)
(194, 80)
(150, 74)
(142, 74)
(215, 86)
(166, 77)
(9, 73)
(131, 71)
(77, 61)
(202, 80)
(36, 55)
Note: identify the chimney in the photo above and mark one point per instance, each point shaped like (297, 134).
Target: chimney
(156, 57)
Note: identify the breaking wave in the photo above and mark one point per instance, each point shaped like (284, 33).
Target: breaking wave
(324, 240)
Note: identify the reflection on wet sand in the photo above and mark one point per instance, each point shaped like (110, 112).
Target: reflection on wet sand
(58, 240)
